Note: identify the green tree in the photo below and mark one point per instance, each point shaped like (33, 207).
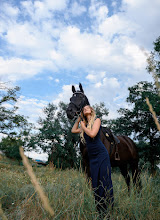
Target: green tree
(101, 112)
(10, 122)
(14, 126)
(138, 120)
(55, 137)
(10, 147)
(154, 63)
(71, 141)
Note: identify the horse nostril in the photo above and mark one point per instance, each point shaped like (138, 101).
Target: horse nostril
(69, 109)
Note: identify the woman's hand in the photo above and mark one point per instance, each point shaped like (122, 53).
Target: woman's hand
(83, 125)
(78, 119)
(75, 128)
(95, 128)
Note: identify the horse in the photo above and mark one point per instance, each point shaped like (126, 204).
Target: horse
(122, 152)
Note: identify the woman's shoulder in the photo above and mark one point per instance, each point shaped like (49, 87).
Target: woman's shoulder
(98, 120)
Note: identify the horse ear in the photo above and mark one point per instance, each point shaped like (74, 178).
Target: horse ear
(73, 89)
(80, 86)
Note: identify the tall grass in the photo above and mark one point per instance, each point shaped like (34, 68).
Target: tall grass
(35, 183)
(70, 195)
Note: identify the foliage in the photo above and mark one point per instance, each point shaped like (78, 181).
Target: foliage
(8, 118)
(154, 59)
(154, 63)
(55, 137)
(15, 127)
(101, 112)
(138, 120)
(10, 147)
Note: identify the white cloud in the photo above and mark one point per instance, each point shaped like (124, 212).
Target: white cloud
(114, 4)
(50, 78)
(94, 77)
(77, 9)
(82, 50)
(31, 107)
(26, 39)
(91, 77)
(112, 47)
(105, 90)
(15, 68)
(9, 10)
(57, 57)
(93, 52)
(136, 55)
(65, 95)
(145, 14)
(56, 5)
(116, 25)
(43, 9)
(57, 80)
(98, 10)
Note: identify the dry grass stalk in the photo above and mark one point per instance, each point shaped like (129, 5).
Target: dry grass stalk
(2, 215)
(39, 190)
(29, 199)
(153, 113)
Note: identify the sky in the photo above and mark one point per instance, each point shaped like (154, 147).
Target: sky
(49, 45)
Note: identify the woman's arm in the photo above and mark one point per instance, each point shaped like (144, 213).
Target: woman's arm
(95, 128)
(75, 128)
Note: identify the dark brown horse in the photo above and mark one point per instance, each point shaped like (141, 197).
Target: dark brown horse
(122, 154)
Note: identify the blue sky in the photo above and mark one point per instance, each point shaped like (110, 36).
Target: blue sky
(48, 45)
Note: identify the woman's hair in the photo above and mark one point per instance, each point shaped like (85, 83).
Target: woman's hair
(88, 123)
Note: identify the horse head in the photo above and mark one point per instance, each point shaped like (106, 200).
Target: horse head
(77, 102)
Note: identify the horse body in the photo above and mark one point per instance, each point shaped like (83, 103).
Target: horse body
(128, 157)
(126, 148)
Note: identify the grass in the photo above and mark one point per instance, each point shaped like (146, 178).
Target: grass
(70, 195)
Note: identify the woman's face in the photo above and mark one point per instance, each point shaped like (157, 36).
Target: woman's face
(86, 110)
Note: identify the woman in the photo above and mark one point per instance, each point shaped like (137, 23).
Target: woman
(98, 157)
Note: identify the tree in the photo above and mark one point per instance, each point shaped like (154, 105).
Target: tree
(139, 122)
(154, 63)
(9, 120)
(71, 141)
(55, 137)
(12, 125)
(101, 112)
(10, 147)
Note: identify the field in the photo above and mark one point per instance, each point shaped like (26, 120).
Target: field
(70, 195)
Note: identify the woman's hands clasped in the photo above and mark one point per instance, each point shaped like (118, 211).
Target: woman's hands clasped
(83, 125)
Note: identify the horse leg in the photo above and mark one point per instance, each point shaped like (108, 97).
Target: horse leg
(136, 174)
(125, 173)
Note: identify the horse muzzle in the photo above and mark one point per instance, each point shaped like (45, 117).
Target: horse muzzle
(70, 113)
